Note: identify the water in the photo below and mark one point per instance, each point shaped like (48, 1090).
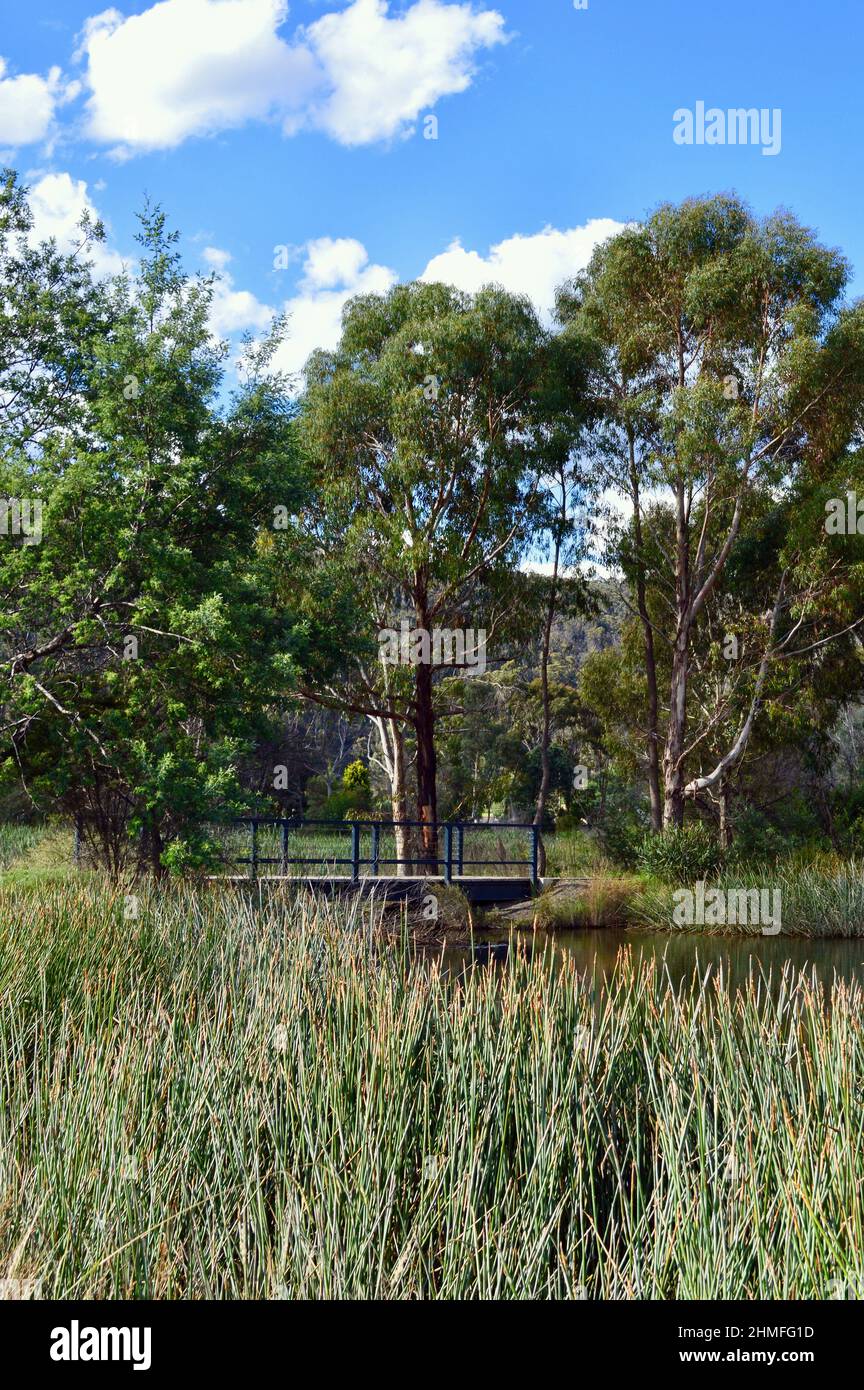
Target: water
(740, 956)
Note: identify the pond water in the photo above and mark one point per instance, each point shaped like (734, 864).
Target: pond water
(738, 956)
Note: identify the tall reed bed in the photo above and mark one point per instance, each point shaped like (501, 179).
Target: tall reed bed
(17, 841)
(821, 899)
(229, 1097)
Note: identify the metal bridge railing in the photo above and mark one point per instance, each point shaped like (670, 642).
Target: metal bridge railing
(452, 863)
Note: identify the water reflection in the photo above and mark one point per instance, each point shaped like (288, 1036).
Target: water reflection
(496, 952)
(740, 957)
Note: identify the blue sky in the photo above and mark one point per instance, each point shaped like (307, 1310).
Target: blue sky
(260, 125)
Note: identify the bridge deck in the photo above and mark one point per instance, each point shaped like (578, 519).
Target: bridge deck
(476, 889)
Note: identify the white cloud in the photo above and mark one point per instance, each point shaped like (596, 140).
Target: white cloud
(233, 310)
(534, 265)
(190, 67)
(194, 67)
(384, 71)
(237, 311)
(27, 104)
(331, 262)
(216, 258)
(58, 203)
(334, 270)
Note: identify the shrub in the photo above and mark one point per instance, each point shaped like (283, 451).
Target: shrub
(681, 856)
(622, 840)
(194, 855)
(355, 779)
(757, 840)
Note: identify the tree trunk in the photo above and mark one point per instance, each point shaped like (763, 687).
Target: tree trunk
(673, 756)
(399, 804)
(545, 759)
(673, 765)
(427, 801)
(391, 738)
(725, 796)
(730, 759)
(151, 850)
(652, 749)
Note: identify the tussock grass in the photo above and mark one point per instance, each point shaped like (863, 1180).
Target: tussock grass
(36, 855)
(229, 1097)
(818, 900)
(573, 854)
(603, 901)
(15, 841)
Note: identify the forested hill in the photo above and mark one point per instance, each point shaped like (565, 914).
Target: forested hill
(573, 638)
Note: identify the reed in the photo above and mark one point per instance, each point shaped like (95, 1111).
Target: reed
(825, 899)
(233, 1096)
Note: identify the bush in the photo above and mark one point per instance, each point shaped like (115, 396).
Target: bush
(355, 779)
(194, 855)
(353, 798)
(756, 840)
(622, 841)
(681, 856)
(848, 809)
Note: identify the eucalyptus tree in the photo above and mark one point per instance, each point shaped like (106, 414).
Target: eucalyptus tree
(428, 430)
(567, 411)
(730, 364)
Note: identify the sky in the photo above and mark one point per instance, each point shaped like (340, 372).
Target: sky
(318, 149)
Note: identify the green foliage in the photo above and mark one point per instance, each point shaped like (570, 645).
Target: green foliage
(681, 856)
(757, 840)
(356, 779)
(142, 647)
(351, 800)
(154, 633)
(426, 431)
(728, 368)
(623, 838)
(196, 855)
(849, 819)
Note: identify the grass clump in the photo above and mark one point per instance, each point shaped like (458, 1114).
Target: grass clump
(37, 855)
(823, 899)
(681, 856)
(238, 1097)
(601, 901)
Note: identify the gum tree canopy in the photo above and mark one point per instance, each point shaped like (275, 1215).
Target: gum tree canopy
(428, 430)
(730, 368)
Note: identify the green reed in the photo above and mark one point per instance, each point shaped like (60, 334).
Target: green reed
(241, 1096)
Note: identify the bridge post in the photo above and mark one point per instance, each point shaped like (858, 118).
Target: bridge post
(253, 849)
(376, 848)
(448, 853)
(460, 849)
(355, 851)
(535, 855)
(284, 849)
